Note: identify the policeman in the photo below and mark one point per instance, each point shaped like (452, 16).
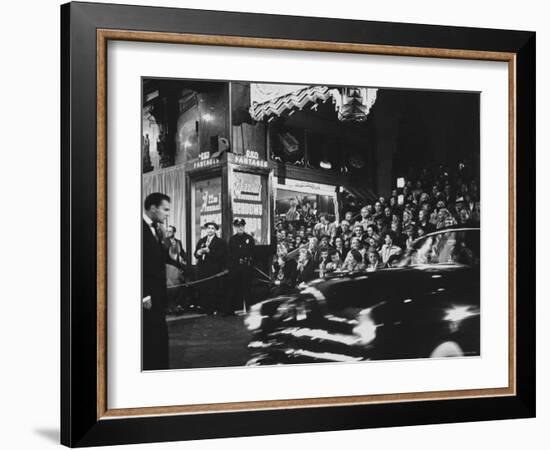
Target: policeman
(241, 253)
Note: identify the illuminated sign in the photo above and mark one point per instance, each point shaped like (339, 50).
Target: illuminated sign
(251, 158)
(205, 162)
(247, 188)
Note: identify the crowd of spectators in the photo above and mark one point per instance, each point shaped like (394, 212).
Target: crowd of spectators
(375, 235)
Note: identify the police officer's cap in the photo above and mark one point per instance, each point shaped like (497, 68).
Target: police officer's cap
(239, 223)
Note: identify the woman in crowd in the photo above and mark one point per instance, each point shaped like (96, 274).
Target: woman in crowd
(372, 243)
(442, 216)
(372, 233)
(407, 220)
(356, 247)
(372, 263)
(335, 262)
(389, 251)
(305, 269)
(354, 262)
(408, 239)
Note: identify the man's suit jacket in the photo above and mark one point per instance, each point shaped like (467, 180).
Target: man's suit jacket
(175, 251)
(214, 261)
(154, 258)
(306, 274)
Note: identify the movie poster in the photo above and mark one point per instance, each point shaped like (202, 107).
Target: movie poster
(207, 205)
(247, 202)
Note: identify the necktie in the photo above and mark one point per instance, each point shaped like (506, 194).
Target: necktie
(156, 230)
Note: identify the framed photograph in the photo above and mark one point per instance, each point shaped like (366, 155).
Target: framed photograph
(276, 224)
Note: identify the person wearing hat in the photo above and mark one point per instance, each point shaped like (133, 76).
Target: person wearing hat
(211, 257)
(241, 254)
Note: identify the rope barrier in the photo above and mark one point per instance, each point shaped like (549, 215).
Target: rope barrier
(202, 280)
(264, 274)
(217, 275)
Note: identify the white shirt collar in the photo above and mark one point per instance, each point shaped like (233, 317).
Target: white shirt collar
(147, 219)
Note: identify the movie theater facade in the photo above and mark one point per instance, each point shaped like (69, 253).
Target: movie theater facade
(231, 149)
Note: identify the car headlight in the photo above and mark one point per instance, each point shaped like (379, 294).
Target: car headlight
(365, 330)
(457, 313)
(254, 318)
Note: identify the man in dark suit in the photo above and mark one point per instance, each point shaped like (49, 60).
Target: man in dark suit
(211, 254)
(154, 258)
(174, 248)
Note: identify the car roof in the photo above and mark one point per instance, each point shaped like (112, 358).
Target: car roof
(445, 230)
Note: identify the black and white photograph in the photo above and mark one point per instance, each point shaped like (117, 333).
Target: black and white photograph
(303, 223)
(275, 223)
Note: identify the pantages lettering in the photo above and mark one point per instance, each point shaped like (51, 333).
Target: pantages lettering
(251, 158)
(205, 163)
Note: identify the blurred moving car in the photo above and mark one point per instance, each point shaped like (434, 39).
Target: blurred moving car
(428, 305)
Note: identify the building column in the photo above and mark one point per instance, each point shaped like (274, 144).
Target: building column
(387, 132)
(165, 110)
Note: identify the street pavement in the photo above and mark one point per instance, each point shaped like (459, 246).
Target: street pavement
(198, 341)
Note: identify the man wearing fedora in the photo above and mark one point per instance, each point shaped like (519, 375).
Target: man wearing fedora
(241, 254)
(211, 254)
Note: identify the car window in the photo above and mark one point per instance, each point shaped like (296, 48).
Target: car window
(449, 247)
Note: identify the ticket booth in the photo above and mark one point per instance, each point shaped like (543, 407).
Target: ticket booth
(222, 188)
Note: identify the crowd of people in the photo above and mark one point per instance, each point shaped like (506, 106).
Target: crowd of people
(373, 237)
(310, 244)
